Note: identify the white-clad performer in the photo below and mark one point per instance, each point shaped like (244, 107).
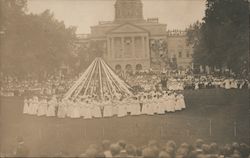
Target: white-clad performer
(107, 111)
(51, 108)
(42, 108)
(26, 106)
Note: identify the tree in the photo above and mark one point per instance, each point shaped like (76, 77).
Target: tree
(222, 38)
(34, 44)
(159, 50)
(88, 51)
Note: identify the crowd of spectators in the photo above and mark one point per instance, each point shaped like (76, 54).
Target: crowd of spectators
(154, 149)
(11, 86)
(146, 81)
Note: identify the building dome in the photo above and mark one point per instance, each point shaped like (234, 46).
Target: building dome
(128, 10)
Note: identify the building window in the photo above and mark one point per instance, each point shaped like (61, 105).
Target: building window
(138, 67)
(129, 69)
(180, 55)
(118, 67)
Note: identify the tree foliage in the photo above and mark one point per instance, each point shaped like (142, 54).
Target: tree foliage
(222, 38)
(33, 44)
(88, 51)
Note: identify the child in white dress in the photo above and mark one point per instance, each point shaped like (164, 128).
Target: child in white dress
(161, 106)
(75, 109)
(177, 102)
(171, 103)
(135, 107)
(51, 108)
(42, 108)
(122, 109)
(26, 106)
(181, 101)
(107, 111)
(96, 111)
(61, 109)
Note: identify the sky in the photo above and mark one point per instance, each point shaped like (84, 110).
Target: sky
(177, 14)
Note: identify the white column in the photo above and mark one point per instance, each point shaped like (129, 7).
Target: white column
(146, 47)
(108, 48)
(143, 46)
(133, 46)
(112, 48)
(123, 47)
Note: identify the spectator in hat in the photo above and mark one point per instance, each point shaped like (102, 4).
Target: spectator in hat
(171, 143)
(171, 151)
(131, 150)
(148, 153)
(106, 148)
(115, 150)
(205, 149)
(123, 152)
(244, 150)
(91, 152)
(164, 154)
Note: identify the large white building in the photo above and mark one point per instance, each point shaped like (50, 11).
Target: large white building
(130, 42)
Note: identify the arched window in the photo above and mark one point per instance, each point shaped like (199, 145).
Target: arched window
(138, 67)
(180, 54)
(118, 67)
(128, 68)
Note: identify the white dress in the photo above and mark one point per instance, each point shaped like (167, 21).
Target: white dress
(96, 111)
(114, 108)
(145, 106)
(122, 109)
(26, 107)
(31, 107)
(61, 110)
(227, 84)
(178, 105)
(234, 84)
(135, 108)
(171, 103)
(129, 106)
(161, 106)
(182, 102)
(107, 111)
(196, 87)
(35, 104)
(76, 110)
(88, 114)
(51, 109)
(82, 109)
(167, 103)
(150, 106)
(69, 108)
(42, 108)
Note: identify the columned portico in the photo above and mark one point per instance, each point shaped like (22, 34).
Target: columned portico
(127, 39)
(128, 49)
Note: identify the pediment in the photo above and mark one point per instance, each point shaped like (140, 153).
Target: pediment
(128, 28)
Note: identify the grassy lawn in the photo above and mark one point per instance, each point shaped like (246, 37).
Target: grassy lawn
(224, 109)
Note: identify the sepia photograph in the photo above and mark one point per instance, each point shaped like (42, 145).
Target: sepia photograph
(124, 78)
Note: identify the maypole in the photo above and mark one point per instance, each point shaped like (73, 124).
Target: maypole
(109, 80)
(79, 81)
(100, 78)
(86, 79)
(122, 83)
(85, 91)
(110, 77)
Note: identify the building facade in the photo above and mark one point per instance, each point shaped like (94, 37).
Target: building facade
(132, 43)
